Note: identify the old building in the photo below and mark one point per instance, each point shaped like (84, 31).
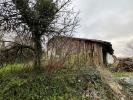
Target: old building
(94, 52)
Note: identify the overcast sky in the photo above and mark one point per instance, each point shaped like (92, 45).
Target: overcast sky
(110, 20)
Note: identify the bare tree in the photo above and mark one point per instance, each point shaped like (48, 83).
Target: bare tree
(36, 19)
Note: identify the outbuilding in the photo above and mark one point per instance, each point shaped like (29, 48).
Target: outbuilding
(94, 52)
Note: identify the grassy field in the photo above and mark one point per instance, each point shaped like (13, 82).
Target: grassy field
(123, 74)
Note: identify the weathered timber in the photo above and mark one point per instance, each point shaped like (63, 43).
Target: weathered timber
(94, 52)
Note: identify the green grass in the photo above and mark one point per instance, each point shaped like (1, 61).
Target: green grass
(11, 68)
(63, 85)
(123, 74)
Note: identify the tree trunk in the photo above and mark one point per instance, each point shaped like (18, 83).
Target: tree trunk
(37, 52)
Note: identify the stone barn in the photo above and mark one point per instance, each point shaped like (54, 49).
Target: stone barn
(94, 52)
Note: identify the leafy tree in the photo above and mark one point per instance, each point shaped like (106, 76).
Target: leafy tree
(38, 20)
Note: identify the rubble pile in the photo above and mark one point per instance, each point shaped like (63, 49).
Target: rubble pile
(125, 64)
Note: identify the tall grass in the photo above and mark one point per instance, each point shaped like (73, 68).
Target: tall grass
(11, 68)
(123, 74)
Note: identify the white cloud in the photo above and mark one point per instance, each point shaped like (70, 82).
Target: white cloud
(110, 20)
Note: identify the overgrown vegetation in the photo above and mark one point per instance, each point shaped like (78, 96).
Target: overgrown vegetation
(63, 85)
(128, 89)
(123, 74)
(61, 79)
(123, 78)
(68, 78)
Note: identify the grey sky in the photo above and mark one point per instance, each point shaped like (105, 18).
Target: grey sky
(110, 20)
